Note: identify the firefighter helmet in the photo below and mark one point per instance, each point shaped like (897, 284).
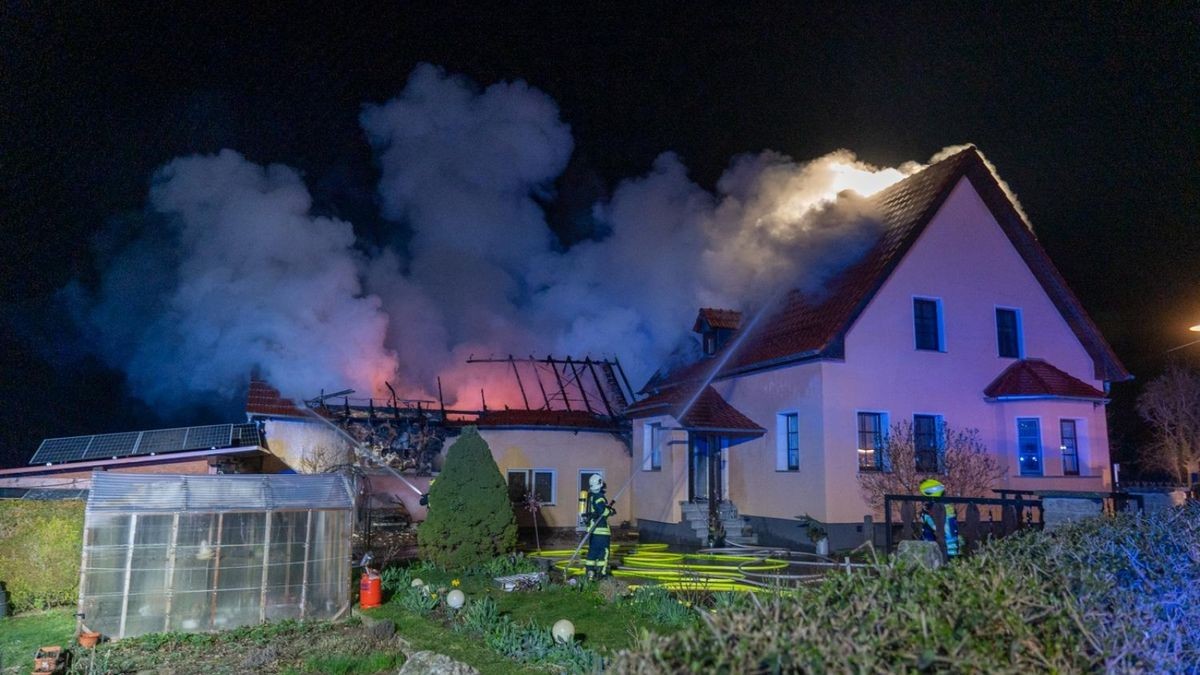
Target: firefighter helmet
(596, 483)
(931, 487)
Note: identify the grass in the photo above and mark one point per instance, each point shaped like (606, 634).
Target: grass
(341, 664)
(424, 634)
(21, 635)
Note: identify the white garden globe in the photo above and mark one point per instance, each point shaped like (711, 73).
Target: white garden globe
(417, 582)
(455, 599)
(563, 631)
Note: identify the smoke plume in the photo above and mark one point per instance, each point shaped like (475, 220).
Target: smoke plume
(245, 277)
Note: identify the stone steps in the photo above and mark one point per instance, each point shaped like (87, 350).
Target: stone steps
(737, 528)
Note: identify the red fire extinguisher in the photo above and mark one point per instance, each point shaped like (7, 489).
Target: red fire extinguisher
(370, 589)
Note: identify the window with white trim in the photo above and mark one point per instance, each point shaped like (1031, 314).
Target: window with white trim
(872, 428)
(653, 437)
(927, 324)
(1029, 446)
(1070, 447)
(787, 442)
(542, 482)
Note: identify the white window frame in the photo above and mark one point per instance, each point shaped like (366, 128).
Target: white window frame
(1041, 446)
(1020, 331)
(781, 459)
(941, 323)
(531, 475)
(884, 429)
(652, 440)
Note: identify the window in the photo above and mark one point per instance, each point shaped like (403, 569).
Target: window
(927, 324)
(870, 441)
(1008, 333)
(652, 441)
(787, 449)
(541, 481)
(1029, 446)
(927, 443)
(1069, 447)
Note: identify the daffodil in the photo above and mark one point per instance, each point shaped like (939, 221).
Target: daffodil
(455, 583)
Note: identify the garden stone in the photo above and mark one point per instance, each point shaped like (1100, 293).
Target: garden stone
(923, 553)
(432, 663)
(382, 630)
(257, 658)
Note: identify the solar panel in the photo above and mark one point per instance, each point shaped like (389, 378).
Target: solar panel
(111, 445)
(157, 441)
(214, 436)
(161, 440)
(54, 450)
(245, 434)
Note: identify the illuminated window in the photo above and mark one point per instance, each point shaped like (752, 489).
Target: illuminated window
(1069, 447)
(870, 441)
(927, 324)
(1008, 333)
(1029, 446)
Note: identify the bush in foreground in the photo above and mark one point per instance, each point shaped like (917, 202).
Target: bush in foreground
(40, 545)
(1118, 595)
(470, 518)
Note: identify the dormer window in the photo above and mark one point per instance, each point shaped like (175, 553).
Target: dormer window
(715, 327)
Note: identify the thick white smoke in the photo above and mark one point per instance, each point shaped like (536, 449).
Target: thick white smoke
(257, 282)
(241, 278)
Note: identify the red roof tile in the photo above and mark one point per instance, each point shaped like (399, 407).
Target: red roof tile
(1036, 378)
(263, 399)
(728, 319)
(709, 412)
(800, 326)
(571, 419)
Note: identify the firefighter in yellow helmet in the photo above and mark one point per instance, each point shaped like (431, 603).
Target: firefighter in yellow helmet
(933, 489)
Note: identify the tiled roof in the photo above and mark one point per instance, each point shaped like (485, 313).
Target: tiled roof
(801, 326)
(709, 412)
(263, 399)
(569, 419)
(728, 319)
(1036, 378)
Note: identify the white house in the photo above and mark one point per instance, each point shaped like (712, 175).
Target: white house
(955, 316)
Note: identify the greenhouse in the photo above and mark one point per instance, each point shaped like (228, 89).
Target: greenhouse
(201, 553)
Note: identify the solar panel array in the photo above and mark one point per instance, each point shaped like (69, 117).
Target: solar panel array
(135, 443)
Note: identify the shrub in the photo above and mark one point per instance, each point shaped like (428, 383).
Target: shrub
(1119, 595)
(470, 518)
(40, 547)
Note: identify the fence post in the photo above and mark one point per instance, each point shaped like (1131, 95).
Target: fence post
(887, 525)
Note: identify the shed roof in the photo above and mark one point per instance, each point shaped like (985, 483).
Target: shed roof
(140, 493)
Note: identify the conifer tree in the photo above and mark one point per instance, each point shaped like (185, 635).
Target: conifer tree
(470, 517)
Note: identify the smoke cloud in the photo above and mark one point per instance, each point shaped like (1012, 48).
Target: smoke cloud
(245, 277)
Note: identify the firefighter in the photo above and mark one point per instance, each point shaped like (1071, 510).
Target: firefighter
(934, 489)
(424, 501)
(599, 534)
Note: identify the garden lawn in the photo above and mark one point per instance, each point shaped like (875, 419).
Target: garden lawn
(21, 635)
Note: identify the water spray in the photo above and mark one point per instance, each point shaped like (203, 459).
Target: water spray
(362, 451)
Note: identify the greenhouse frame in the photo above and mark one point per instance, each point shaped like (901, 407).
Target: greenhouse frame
(201, 553)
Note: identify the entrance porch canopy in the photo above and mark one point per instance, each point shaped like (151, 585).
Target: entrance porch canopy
(709, 413)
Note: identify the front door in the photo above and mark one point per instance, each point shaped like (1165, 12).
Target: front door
(706, 463)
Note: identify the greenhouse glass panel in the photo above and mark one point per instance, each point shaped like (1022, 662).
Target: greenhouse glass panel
(202, 553)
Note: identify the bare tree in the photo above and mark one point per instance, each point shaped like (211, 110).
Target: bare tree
(963, 464)
(324, 458)
(1170, 403)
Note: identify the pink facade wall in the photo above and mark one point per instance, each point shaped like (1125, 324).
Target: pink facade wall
(964, 260)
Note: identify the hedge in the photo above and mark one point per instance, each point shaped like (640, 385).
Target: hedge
(40, 545)
(1115, 595)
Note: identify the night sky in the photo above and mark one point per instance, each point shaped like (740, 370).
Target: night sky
(1088, 112)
